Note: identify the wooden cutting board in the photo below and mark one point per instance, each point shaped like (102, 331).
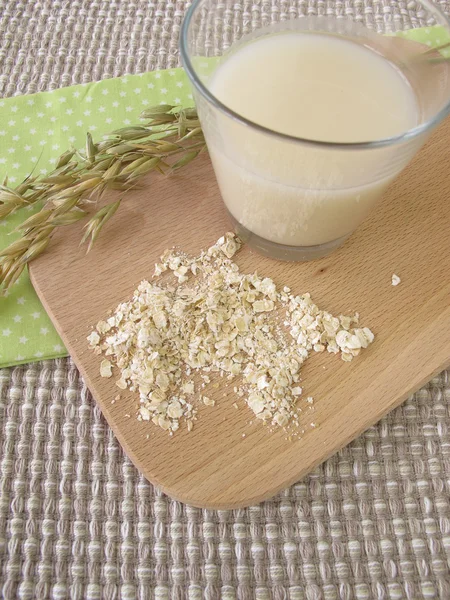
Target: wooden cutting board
(215, 465)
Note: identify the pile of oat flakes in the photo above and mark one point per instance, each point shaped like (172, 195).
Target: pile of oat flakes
(213, 319)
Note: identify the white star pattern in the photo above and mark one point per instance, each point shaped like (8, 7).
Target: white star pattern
(12, 179)
(60, 125)
(14, 109)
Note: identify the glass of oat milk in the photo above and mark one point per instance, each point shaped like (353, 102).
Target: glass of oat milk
(309, 116)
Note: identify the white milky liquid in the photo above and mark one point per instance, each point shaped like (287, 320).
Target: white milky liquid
(317, 87)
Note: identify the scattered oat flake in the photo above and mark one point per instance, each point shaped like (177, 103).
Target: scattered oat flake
(188, 387)
(395, 279)
(93, 339)
(208, 401)
(105, 368)
(208, 319)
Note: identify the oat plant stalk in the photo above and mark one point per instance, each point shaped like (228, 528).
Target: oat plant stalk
(171, 139)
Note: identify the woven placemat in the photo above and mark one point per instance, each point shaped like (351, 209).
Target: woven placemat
(76, 518)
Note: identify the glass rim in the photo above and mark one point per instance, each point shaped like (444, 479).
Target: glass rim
(223, 108)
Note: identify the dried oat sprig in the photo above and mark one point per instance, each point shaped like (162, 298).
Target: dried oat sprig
(170, 139)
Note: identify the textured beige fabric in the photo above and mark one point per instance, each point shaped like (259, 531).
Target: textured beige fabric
(76, 518)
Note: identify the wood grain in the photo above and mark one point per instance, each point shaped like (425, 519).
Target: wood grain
(214, 465)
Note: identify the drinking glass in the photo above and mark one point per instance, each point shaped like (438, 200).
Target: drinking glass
(286, 195)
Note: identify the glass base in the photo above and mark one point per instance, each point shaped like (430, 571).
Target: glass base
(282, 252)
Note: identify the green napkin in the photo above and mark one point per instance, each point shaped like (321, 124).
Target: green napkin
(35, 130)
